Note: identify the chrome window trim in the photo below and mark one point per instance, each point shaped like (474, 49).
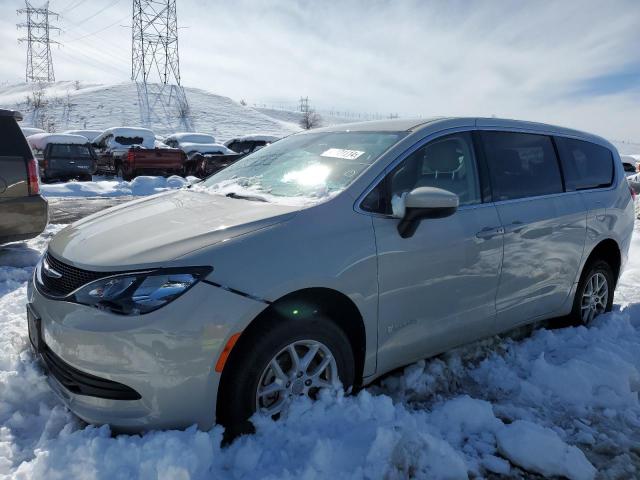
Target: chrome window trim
(434, 136)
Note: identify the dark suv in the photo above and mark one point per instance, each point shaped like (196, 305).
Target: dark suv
(23, 212)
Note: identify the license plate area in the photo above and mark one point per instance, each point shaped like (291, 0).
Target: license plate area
(34, 324)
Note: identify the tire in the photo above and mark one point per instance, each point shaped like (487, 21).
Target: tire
(251, 357)
(602, 270)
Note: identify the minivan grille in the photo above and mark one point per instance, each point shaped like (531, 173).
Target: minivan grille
(71, 278)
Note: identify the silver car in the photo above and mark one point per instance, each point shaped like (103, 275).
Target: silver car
(330, 257)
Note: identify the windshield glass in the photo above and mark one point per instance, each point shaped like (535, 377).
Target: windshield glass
(307, 166)
(70, 151)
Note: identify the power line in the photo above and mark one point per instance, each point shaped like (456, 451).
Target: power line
(38, 27)
(98, 31)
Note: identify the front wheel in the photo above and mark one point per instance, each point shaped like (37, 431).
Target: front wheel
(273, 365)
(594, 294)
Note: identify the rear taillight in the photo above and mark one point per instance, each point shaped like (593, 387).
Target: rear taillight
(34, 180)
(130, 155)
(633, 193)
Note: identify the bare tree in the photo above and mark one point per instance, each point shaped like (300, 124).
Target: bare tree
(243, 102)
(310, 119)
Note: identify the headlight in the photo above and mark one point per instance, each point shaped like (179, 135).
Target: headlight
(138, 293)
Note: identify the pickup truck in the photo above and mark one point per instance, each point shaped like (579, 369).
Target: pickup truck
(151, 161)
(129, 151)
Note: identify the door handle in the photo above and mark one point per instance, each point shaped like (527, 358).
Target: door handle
(514, 227)
(490, 232)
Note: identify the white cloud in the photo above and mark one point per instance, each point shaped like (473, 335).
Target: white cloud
(516, 59)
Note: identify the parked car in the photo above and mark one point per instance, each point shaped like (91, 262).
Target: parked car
(249, 143)
(23, 211)
(63, 157)
(196, 153)
(127, 152)
(88, 134)
(333, 255)
(629, 164)
(202, 165)
(175, 140)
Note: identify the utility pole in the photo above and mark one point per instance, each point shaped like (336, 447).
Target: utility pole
(155, 64)
(38, 26)
(304, 104)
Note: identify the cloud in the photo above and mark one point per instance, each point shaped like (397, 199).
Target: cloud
(544, 60)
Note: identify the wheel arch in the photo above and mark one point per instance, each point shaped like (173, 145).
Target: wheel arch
(609, 251)
(305, 303)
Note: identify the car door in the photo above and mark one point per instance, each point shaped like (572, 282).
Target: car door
(544, 227)
(436, 288)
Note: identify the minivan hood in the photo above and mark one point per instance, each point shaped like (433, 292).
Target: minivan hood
(152, 231)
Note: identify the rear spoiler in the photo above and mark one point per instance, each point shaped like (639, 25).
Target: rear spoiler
(11, 113)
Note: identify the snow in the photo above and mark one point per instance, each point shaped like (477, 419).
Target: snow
(541, 450)
(555, 402)
(103, 106)
(139, 186)
(89, 134)
(253, 138)
(32, 131)
(189, 147)
(39, 141)
(191, 137)
(110, 135)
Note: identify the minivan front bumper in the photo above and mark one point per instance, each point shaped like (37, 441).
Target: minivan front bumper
(167, 356)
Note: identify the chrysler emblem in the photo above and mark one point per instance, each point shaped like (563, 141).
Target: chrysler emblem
(48, 271)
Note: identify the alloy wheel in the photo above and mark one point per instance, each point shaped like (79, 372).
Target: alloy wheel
(594, 297)
(301, 368)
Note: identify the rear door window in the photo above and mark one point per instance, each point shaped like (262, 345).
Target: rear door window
(585, 164)
(521, 165)
(13, 143)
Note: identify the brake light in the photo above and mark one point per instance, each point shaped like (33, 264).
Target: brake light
(33, 180)
(130, 155)
(633, 193)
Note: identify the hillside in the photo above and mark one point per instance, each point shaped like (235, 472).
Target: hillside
(73, 106)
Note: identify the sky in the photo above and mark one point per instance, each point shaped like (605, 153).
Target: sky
(572, 63)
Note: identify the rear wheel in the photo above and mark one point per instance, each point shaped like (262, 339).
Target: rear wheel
(594, 295)
(284, 359)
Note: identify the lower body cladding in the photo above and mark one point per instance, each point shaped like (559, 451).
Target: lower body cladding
(154, 371)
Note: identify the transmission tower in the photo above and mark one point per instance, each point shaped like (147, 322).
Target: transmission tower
(155, 65)
(39, 61)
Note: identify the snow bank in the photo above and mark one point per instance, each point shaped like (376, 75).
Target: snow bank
(213, 148)
(39, 141)
(541, 450)
(139, 186)
(496, 407)
(190, 137)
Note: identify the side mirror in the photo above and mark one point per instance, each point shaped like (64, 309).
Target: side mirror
(426, 202)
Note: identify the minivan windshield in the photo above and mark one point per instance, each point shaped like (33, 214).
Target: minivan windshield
(307, 166)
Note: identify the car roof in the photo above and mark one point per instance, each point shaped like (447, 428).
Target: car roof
(417, 125)
(11, 113)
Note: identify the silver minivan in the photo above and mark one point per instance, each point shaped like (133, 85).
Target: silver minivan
(330, 257)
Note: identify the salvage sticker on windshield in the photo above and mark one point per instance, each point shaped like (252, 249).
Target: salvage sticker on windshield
(341, 153)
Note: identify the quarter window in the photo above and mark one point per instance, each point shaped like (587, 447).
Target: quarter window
(585, 164)
(521, 165)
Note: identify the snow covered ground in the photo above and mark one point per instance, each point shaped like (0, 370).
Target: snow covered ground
(104, 106)
(558, 402)
(103, 187)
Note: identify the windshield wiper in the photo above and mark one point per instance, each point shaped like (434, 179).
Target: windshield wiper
(253, 198)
